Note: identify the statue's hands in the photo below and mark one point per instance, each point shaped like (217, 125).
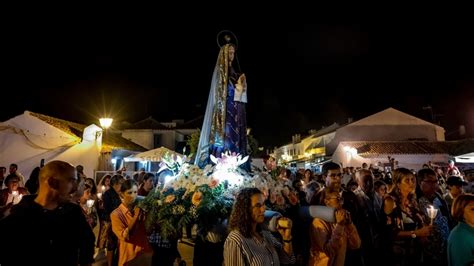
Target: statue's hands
(242, 81)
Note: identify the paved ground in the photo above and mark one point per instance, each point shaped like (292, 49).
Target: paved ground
(185, 248)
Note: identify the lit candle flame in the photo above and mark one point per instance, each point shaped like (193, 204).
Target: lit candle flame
(90, 203)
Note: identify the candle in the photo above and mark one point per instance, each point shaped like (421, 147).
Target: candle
(103, 189)
(90, 203)
(16, 197)
(99, 195)
(432, 212)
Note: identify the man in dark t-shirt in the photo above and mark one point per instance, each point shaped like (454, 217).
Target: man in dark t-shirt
(47, 229)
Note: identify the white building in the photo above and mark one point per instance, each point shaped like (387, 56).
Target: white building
(412, 141)
(152, 134)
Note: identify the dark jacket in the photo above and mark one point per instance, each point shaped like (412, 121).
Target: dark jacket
(37, 236)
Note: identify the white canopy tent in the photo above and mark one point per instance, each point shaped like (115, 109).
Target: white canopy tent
(26, 139)
(465, 158)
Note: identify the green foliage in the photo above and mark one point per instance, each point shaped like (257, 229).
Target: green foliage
(254, 148)
(166, 212)
(171, 210)
(193, 141)
(214, 207)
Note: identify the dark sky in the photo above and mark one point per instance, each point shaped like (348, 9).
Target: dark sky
(301, 74)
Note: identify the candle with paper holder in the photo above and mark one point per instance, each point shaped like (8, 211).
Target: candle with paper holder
(432, 212)
(89, 203)
(14, 194)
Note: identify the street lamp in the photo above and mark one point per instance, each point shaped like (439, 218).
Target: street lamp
(106, 122)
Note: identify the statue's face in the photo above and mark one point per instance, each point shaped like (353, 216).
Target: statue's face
(231, 53)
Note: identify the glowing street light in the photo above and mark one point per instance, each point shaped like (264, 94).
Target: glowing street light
(106, 122)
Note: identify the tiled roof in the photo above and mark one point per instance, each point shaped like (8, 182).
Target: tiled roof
(69, 127)
(113, 141)
(147, 123)
(327, 130)
(110, 141)
(192, 124)
(411, 147)
(463, 147)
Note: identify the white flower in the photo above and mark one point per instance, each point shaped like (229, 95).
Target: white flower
(178, 210)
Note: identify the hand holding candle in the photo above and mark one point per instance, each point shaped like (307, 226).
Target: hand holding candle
(14, 194)
(89, 203)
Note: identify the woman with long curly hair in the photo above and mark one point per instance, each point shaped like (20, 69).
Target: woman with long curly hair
(248, 243)
(405, 223)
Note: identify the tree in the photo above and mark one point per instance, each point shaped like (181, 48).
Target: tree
(193, 142)
(254, 150)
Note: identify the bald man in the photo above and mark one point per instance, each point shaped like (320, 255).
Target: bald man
(48, 229)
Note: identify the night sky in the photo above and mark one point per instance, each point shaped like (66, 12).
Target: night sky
(301, 74)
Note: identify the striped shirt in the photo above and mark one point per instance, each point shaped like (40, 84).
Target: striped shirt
(242, 251)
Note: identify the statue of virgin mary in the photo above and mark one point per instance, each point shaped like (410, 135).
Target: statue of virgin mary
(225, 124)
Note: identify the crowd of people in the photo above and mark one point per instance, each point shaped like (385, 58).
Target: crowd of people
(404, 217)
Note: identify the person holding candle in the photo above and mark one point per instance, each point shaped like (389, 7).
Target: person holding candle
(104, 184)
(90, 212)
(11, 195)
(404, 221)
(436, 209)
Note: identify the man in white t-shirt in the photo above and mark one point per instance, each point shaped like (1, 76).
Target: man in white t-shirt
(346, 176)
(14, 171)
